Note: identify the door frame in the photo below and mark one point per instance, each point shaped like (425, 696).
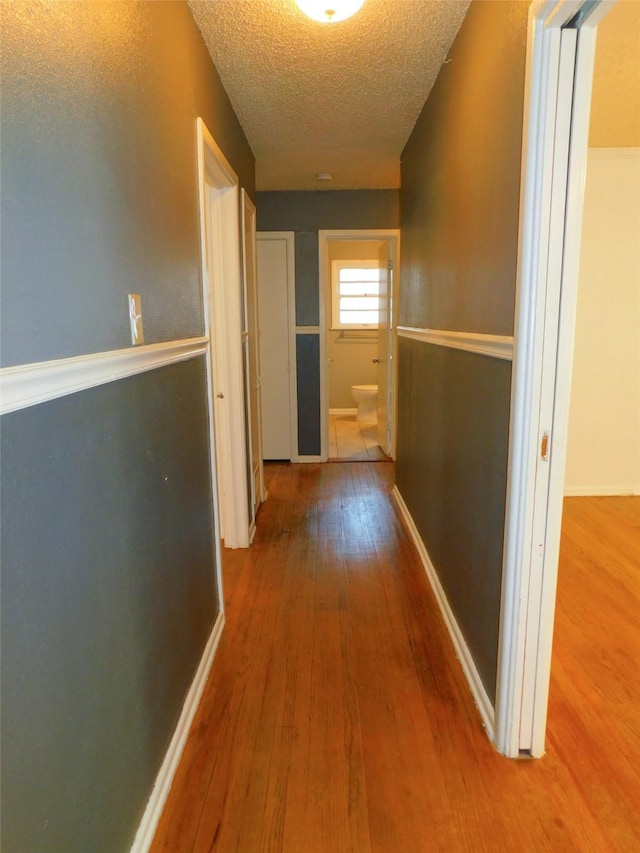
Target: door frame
(219, 209)
(392, 235)
(560, 64)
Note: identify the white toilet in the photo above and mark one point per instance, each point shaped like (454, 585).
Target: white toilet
(366, 396)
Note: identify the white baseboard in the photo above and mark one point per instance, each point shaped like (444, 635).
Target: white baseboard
(462, 650)
(305, 459)
(343, 411)
(164, 779)
(601, 491)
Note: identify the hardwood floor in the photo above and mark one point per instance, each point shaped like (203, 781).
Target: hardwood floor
(594, 707)
(336, 717)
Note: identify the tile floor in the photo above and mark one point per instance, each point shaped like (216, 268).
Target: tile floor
(348, 441)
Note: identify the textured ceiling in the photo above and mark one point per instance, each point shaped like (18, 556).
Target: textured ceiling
(340, 98)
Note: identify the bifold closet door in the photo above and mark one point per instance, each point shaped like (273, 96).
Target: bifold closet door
(275, 365)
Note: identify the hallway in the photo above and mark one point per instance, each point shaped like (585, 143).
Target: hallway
(336, 717)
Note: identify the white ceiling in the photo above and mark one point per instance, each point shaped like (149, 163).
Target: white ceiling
(340, 98)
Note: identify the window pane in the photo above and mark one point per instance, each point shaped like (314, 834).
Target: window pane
(357, 318)
(357, 274)
(357, 288)
(359, 303)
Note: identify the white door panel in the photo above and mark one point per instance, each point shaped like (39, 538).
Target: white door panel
(273, 311)
(384, 426)
(252, 355)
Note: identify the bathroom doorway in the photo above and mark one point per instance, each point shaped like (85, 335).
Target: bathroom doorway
(358, 276)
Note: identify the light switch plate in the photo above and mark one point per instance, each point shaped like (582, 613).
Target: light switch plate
(135, 318)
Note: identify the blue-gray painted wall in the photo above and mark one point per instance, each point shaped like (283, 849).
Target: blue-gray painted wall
(108, 553)
(460, 198)
(99, 102)
(108, 598)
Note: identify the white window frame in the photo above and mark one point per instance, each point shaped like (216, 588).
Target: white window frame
(336, 267)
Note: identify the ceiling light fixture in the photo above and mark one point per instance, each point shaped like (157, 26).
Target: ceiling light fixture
(329, 11)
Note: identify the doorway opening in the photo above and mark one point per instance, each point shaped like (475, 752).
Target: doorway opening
(600, 542)
(358, 286)
(562, 43)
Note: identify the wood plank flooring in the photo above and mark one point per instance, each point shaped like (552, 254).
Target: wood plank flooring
(336, 717)
(594, 708)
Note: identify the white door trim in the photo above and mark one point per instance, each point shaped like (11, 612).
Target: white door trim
(557, 113)
(221, 295)
(290, 239)
(324, 236)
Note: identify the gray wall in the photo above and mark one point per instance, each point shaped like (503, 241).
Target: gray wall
(325, 209)
(108, 597)
(306, 213)
(459, 199)
(461, 180)
(451, 472)
(108, 566)
(99, 199)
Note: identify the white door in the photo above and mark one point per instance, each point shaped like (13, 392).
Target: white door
(275, 269)
(384, 350)
(251, 354)
(222, 289)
